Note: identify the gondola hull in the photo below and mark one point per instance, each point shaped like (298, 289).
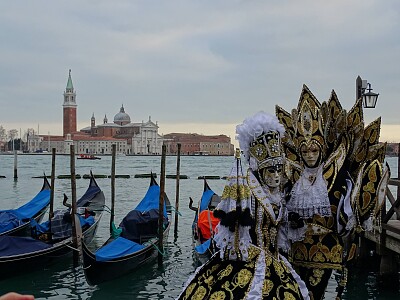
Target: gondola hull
(25, 229)
(204, 246)
(37, 213)
(23, 263)
(20, 255)
(97, 272)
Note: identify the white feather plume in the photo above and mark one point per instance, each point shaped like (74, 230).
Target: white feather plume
(254, 126)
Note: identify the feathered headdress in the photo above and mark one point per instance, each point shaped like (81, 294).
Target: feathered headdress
(259, 138)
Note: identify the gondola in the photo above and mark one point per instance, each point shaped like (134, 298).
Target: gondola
(16, 222)
(204, 224)
(51, 241)
(130, 245)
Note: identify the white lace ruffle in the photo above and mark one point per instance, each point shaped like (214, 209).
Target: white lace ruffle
(225, 240)
(229, 205)
(367, 225)
(296, 235)
(309, 195)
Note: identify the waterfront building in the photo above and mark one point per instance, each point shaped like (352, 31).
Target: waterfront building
(130, 138)
(198, 144)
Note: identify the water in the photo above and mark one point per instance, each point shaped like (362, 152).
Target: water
(63, 281)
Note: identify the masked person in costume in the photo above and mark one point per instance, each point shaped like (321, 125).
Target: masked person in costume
(335, 166)
(248, 265)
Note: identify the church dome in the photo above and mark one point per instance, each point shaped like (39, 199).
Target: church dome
(122, 118)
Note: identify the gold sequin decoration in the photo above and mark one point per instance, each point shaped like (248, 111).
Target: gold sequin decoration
(231, 192)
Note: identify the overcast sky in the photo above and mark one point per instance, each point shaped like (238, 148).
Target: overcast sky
(193, 66)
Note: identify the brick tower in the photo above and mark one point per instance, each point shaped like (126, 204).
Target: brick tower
(69, 108)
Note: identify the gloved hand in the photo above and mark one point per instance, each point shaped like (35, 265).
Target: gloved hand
(295, 221)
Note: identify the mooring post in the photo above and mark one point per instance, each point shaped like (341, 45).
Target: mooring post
(113, 149)
(15, 165)
(52, 182)
(398, 169)
(178, 171)
(161, 208)
(76, 232)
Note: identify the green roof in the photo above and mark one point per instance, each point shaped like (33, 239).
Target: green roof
(69, 83)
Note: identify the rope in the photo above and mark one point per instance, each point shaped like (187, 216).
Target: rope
(74, 249)
(158, 249)
(173, 209)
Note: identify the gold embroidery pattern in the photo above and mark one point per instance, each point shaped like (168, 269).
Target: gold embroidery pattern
(267, 287)
(220, 295)
(231, 192)
(200, 293)
(317, 276)
(321, 251)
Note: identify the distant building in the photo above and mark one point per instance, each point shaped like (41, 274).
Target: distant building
(130, 138)
(197, 144)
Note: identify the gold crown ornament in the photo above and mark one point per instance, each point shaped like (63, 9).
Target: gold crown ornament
(266, 150)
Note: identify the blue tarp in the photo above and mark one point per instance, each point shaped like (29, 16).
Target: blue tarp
(117, 248)
(201, 249)
(91, 192)
(13, 218)
(151, 200)
(205, 200)
(13, 245)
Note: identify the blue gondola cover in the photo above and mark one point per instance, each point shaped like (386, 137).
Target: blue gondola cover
(13, 218)
(10, 245)
(202, 248)
(117, 248)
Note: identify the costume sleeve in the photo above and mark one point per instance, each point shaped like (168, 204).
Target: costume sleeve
(283, 240)
(234, 212)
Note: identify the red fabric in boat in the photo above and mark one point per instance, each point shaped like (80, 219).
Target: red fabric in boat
(204, 224)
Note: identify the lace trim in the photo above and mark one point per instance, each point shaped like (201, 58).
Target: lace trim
(309, 195)
(225, 240)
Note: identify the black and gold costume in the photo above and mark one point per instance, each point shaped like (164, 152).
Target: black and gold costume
(338, 197)
(264, 274)
(249, 235)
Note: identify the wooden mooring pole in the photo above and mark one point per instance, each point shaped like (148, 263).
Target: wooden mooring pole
(178, 171)
(398, 170)
(15, 164)
(52, 182)
(161, 208)
(113, 149)
(76, 228)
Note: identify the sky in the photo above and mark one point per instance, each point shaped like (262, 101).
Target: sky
(194, 66)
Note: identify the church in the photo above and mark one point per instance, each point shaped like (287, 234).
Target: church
(140, 138)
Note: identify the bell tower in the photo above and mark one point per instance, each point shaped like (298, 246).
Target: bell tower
(69, 108)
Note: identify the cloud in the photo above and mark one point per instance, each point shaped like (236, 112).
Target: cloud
(184, 62)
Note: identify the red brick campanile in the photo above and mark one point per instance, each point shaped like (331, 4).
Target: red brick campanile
(69, 108)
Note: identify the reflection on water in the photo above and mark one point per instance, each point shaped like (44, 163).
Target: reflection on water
(63, 281)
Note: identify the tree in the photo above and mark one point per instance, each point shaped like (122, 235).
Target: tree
(12, 135)
(3, 134)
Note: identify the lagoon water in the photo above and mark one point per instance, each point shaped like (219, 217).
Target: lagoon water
(63, 281)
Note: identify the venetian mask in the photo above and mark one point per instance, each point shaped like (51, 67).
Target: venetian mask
(271, 175)
(311, 155)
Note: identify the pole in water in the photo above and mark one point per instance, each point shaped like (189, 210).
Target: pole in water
(113, 151)
(76, 228)
(15, 164)
(161, 208)
(53, 176)
(178, 166)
